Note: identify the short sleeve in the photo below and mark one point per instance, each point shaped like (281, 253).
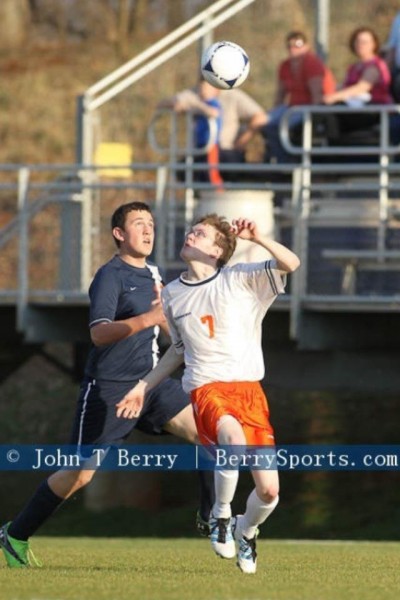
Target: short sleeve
(103, 294)
(314, 67)
(247, 106)
(263, 278)
(188, 99)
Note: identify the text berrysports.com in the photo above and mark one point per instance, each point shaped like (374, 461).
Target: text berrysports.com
(188, 458)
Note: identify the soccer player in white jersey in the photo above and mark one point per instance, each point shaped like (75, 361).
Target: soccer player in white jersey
(215, 315)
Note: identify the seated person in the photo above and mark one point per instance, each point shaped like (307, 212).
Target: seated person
(367, 81)
(242, 117)
(203, 100)
(302, 79)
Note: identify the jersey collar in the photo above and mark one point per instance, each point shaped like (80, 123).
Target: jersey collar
(201, 282)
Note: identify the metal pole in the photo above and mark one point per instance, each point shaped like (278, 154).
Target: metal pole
(161, 215)
(23, 278)
(87, 176)
(322, 28)
(383, 184)
(80, 109)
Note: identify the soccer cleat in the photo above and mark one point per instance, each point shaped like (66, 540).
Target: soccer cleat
(222, 540)
(202, 526)
(247, 555)
(17, 553)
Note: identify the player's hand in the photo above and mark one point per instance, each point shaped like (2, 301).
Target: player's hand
(245, 229)
(156, 313)
(131, 404)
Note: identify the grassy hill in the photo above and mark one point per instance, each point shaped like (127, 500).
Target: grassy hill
(41, 80)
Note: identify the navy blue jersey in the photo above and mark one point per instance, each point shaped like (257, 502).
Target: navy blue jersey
(120, 291)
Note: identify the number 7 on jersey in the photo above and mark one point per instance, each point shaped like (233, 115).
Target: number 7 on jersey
(208, 320)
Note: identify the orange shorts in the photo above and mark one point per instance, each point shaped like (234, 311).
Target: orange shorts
(244, 400)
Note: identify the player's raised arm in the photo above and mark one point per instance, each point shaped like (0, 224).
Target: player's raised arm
(132, 403)
(287, 261)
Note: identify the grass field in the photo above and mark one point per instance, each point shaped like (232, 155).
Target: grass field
(178, 569)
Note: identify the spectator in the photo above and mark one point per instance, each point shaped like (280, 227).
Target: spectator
(302, 79)
(204, 102)
(367, 81)
(242, 117)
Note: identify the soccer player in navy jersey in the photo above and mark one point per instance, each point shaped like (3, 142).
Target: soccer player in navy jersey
(125, 318)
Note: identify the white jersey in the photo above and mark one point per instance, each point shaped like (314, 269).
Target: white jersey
(216, 322)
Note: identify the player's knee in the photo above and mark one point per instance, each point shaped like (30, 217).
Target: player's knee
(65, 483)
(83, 478)
(232, 438)
(268, 493)
(78, 480)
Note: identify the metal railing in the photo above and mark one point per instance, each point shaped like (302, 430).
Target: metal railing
(330, 214)
(382, 185)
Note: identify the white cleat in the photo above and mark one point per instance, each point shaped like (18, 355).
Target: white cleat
(222, 540)
(247, 555)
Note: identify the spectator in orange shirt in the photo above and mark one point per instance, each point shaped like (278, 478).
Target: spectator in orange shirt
(302, 79)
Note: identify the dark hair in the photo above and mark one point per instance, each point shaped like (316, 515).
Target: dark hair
(354, 35)
(296, 35)
(119, 215)
(225, 238)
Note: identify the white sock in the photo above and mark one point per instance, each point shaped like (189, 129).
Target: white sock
(256, 513)
(225, 487)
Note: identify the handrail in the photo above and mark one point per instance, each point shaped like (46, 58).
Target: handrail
(186, 150)
(160, 45)
(210, 24)
(126, 75)
(300, 216)
(384, 110)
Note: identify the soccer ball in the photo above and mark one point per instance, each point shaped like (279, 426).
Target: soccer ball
(225, 65)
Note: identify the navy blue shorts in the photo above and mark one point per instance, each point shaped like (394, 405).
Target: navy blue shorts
(96, 421)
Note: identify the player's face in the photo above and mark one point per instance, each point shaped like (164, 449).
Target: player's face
(137, 236)
(200, 244)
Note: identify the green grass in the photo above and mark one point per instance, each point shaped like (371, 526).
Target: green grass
(178, 569)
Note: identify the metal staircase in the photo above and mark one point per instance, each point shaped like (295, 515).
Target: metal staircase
(199, 27)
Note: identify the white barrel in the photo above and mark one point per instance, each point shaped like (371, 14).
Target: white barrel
(256, 205)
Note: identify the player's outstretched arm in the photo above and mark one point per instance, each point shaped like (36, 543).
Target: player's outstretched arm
(287, 261)
(132, 403)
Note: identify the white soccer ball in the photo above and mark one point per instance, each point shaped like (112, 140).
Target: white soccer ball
(225, 65)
